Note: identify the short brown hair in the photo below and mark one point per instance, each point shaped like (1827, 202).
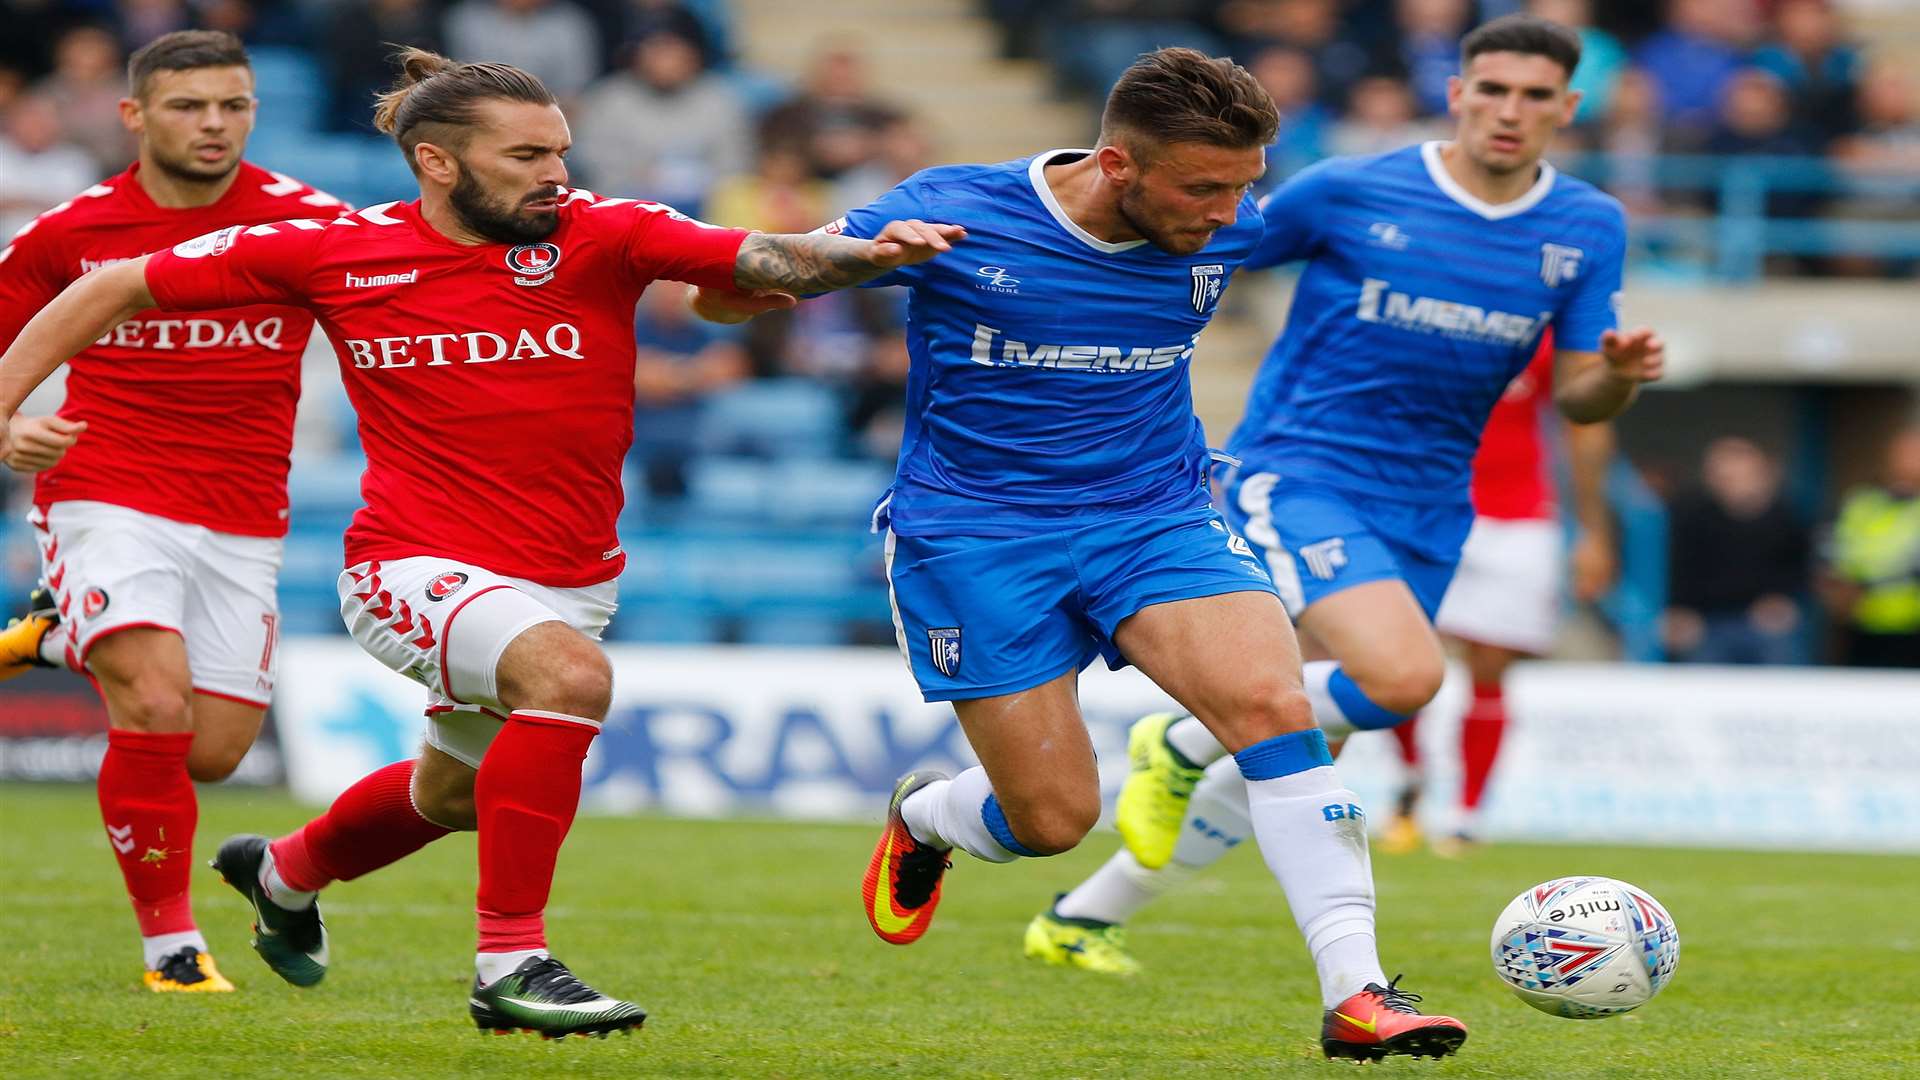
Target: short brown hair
(1182, 95)
(435, 97)
(183, 50)
(1529, 35)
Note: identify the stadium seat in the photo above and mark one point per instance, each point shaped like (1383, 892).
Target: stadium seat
(291, 87)
(775, 418)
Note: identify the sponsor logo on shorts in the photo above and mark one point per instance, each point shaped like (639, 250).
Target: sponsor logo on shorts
(1326, 558)
(532, 264)
(944, 643)
(446, 585)
(94, 601)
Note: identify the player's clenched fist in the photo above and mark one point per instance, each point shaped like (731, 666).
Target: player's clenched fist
(1637, 355)
(912, 241)
(32, 444)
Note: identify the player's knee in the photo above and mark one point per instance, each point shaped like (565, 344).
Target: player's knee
(447, 808)
(210, 762)
(1057, 827)
(1407, 686)
(576, 680)
(151, 705)
(1268, 706)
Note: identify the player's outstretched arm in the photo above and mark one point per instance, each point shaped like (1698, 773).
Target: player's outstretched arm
(1589, 387)
(819, 262)
(76, 318)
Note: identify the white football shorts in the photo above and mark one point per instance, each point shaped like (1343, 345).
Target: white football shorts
(112, 568)
(1507, 590)
(444, 624)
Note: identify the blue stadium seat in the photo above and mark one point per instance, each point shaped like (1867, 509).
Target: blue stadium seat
(827, 492)
(729, 488)
(291, 87)
(775, 418)
(781, 628)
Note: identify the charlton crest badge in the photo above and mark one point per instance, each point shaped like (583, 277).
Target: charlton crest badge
(532, 264)
(944, 644)
(94, 601)
(446, 585)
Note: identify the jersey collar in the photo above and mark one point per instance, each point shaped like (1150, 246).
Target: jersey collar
(1036, 172)
(1437, 169)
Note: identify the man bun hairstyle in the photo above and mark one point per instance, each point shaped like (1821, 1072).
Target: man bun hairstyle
(1180, 95)
(1529, 35)
(435, 98)
(183, 50)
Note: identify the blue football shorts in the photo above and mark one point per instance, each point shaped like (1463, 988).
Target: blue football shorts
(983, 616)
(1319, 540)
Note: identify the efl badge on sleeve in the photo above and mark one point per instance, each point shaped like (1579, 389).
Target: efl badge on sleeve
(944, 643)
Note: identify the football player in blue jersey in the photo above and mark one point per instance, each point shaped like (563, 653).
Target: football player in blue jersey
(1431, 274)
(1052, 505)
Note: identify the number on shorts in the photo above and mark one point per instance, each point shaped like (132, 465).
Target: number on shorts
(272, 622)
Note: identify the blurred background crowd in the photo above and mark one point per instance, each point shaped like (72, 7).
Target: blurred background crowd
(1769, 513)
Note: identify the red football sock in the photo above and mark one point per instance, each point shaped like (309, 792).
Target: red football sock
(525, 797)
(1403, 733)
(147, 801)
(1480, 734)
(373, 823)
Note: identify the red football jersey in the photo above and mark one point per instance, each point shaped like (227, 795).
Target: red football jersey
(1511, 480)
(189, 419)
(494, 382)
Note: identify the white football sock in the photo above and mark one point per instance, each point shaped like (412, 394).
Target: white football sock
(951, 814)
(1120, 888)
(1326, 712)
(490, 966)
(1314, 839)
(160, 946)
(1216, 822)
(1194, 741)
(278, 891)
(53, 645)
(1216, 817)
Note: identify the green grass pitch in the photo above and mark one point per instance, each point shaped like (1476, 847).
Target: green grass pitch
(746, 943)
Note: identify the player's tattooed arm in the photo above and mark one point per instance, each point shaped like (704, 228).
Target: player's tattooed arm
(823, 262)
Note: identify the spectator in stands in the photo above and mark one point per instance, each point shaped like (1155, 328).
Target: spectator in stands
(1093, 41)
(553, 39)
(1602, 58)
(904, 148)
(1426, 49)
(1888, 137)
(835, 120)
(140, 21)
(1289, 77)
(357, 67)
(1632, 138)
(1873, 570)
(780, 195)
(1739, 559)
(681, 360)
(86, 87)
(640, 19)
(38, 168)
(663, 128)
(1694, 58)
(1381, 116)
(1311, 27)
(1820, 71)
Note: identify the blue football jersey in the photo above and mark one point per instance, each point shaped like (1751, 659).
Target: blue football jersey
(1049, 380)
(1418, 304)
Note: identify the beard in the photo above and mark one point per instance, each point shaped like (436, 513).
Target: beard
(500, 220)
(188, 170)
(1134, 212)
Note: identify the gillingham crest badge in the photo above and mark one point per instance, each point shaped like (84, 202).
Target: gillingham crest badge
(446, 585)
(532, 264)
(1208, 280)
(944, 643)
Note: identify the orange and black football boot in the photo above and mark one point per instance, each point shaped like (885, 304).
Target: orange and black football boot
(902, 886)
(1381, 1020)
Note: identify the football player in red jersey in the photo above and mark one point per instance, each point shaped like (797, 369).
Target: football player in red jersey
(1504, 602)
(485, 337)
(161, 497)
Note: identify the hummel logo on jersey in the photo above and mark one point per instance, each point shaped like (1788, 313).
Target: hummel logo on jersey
(944, 643)
(1208, 280)
(355, 281)
(1325, 558)
(1388, 235)
(997, 280)
(1426, 315)
(88, 266)
(1073, 357)
(532, 264)
(1559, 264)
